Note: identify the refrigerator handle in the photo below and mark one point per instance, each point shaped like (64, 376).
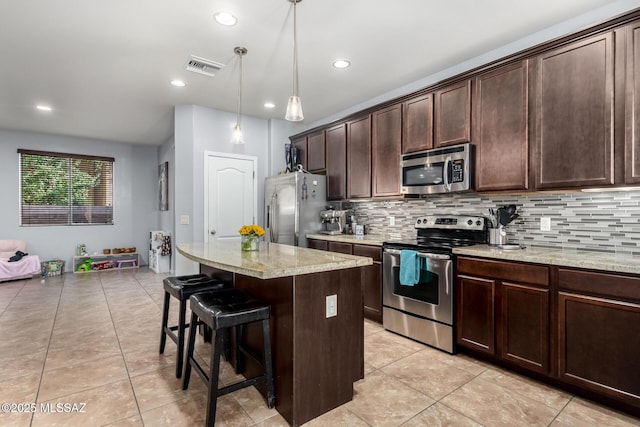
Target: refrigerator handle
(273, 221)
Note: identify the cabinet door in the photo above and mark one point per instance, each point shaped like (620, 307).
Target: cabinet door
(315, 151)
(336, 140)
(599, 347)
(453, 114)
(417, 126)
(574, 115)
(371, 282)
(476, 323)
(386, 144)
(500, 129)
(301, 144)
(632, 108)
(359, 158)
(525, 326)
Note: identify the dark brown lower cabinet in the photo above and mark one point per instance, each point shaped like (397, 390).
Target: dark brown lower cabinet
(525, 326)
(503, 311)
(476, 322)
(371, 274)
(371, 281)
(599, 333)
(574, 328)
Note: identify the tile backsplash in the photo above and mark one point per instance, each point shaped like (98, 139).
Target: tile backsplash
(608, 221)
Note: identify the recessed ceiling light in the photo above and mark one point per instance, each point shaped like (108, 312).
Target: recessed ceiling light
(178, 83)
(269, 105)
(43, 107)
(225, 18)
(341, 63)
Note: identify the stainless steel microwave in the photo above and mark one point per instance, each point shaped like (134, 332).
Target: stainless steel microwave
(441, 170)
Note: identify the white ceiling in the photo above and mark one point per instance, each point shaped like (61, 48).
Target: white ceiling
(105, 66)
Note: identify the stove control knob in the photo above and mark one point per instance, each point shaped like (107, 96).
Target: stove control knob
(470, 222)
(419, 221)
(478, 223)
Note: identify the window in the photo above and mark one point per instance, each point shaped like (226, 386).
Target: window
(65, 189)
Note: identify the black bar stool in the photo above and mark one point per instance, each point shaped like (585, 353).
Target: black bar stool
(182, 287)
(220, 311)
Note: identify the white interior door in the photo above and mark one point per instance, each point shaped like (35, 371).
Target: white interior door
(230, 194)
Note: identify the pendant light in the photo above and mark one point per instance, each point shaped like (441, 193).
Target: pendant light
(237, 131)
(294, 107)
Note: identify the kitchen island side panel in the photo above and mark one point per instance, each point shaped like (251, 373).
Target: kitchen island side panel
(316, 359)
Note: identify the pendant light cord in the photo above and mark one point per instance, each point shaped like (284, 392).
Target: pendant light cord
(239, 91)
(295, 49)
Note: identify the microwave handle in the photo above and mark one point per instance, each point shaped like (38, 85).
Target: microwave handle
(447, 182)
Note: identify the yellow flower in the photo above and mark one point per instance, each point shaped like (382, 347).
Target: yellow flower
(251, 229)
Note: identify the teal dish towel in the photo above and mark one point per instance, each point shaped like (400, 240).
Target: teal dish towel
(409, 267)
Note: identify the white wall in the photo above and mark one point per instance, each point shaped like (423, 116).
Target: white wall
(135, 197)
(166, 219)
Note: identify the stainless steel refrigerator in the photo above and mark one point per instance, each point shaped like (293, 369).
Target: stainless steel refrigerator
(293, 203)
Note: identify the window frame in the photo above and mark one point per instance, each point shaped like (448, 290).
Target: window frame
(108, 192)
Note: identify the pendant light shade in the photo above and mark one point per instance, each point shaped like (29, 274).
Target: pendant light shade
(236, 137)
(294, 107)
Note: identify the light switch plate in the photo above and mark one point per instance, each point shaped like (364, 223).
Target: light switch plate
(332, 305)
(545, 223)
(392, 220)
(184, 219)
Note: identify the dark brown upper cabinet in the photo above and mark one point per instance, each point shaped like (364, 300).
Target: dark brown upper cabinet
(632, 107)
(500, 130)
(386, 142)
(417, 124)
(453, 114)
(301, 144)
(573, 117)
(359, 157)
(316, 151)
(336, 141)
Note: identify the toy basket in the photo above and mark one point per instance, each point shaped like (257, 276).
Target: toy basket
(54, 267)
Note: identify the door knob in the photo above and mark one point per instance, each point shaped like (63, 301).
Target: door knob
(213, 232)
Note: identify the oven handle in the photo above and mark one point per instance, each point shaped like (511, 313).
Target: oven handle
(422, 254)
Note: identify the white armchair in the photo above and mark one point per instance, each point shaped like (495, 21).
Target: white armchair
(26, 267)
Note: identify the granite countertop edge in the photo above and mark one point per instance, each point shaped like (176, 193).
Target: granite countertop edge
(262, 270)
(559, 257)
(367, 239)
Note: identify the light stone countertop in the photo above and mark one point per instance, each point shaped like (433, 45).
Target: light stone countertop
(561, 257)
(367, 239)
(271, 261)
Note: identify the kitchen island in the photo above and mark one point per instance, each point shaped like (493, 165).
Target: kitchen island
(316, 359)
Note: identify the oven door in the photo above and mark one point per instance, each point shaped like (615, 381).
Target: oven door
(431, 297)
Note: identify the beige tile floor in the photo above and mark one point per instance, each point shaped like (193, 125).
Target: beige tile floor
(90, 342)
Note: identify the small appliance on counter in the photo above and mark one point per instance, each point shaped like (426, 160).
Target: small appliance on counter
(333, 221)
(337, 218)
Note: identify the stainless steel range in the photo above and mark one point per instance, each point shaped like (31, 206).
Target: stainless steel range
(423, 310)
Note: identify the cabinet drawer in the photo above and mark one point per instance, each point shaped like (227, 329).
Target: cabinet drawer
(511, 271)
(600, 284)
(344, 248)
(370, 251)
(317, 244)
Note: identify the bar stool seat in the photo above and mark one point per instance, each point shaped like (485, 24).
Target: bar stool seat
(181, 288)
(220, 311)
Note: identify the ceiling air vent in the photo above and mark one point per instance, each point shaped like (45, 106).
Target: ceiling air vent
(203, 66)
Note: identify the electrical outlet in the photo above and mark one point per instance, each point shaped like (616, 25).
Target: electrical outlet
(392, 220)
(545, 223)
(184, 219)
(332, 306)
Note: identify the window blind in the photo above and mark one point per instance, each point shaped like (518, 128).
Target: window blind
(65, 189)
